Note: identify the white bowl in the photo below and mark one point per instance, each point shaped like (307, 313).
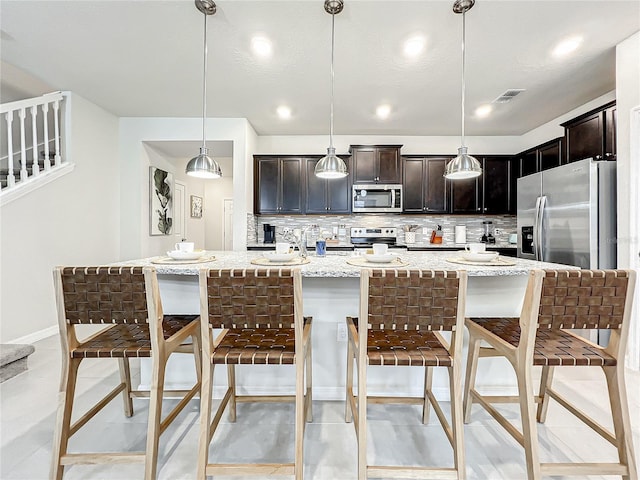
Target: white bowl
(384, 258)
(280, 257)
(479, 256)
(180, 255)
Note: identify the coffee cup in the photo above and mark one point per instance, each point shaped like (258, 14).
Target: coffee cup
(380, 248)
(185, 247)
(282, 247)
(475, 247)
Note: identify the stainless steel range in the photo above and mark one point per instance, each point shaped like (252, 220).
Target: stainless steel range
(363, 237)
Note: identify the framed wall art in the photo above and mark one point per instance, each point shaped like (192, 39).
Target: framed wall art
(196, 206)
(160, 202)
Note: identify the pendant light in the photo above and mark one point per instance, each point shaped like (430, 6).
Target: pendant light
(464, 165)
(202, 165)
(331, 166)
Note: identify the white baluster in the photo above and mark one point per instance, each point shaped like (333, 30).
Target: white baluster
(11, 179)
(45, 114)
(56, 123)
(35, 168)
(24, 174)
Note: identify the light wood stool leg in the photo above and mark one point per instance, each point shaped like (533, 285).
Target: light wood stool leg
(65, 406)
(348, 414)
(299, 440)
(125, 377)
(428, 381)
(455, 386)
(621, 421)
(309, 393)
(362, 420)
(529, 428)
(231, 380)
(470, 375)
(197, 355)
(155, 415)
(545, 383)
(205, 419)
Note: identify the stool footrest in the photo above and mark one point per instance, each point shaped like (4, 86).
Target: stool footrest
(553, 469)
(250, 468)
(98, 458)
(411, 472)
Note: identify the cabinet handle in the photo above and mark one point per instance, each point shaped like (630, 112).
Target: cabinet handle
(485, 209)
(598, 157)
(479, 209)
(608, 154)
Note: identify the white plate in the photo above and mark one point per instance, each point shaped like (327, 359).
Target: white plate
(279, 257)
(384, 258)
(180, 255)
(478, 256)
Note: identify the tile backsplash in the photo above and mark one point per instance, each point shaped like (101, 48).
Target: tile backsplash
(506, 224)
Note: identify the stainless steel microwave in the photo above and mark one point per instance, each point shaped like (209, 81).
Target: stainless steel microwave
(377, 198)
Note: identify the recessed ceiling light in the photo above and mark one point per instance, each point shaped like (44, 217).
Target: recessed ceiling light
(567, 46)
(484, 110)
(383, 111)
(414, 46)
(261, 46)
(284, 112)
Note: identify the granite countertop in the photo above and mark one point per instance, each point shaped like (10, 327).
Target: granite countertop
(449, 246)
(335, 264)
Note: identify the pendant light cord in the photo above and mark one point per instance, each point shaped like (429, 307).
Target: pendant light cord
(204, 85)
(463, 86)
(333, 19)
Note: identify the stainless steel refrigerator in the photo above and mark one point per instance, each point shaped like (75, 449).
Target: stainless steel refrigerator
(567, 215)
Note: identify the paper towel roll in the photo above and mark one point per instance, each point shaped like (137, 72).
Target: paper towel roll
(460, 234)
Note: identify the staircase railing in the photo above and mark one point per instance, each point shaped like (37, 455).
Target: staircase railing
(33, 140)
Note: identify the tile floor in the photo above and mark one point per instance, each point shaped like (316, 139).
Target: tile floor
(28, 404)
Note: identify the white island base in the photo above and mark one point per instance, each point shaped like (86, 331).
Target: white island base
(329, 300)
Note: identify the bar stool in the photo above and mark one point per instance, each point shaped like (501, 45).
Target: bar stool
(401, 315)
(128, 300)
(260, 314)
(557, 300)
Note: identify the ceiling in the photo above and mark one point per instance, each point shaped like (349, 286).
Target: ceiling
(144, 59)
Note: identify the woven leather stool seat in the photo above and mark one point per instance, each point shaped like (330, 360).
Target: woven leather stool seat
(406, 348)
(553, 347)
(257, 346)
(129, 340)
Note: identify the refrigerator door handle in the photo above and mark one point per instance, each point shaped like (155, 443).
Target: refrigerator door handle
(539, 221)
(536, 228)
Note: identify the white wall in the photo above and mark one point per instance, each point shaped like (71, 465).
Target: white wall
(71, 221)
(135, 239)
(195, 227)
(628, 97)
(215, 192)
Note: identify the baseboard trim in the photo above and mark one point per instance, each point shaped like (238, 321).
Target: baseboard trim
(35, 336)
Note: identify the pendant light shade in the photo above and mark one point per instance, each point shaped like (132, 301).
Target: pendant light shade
(202, 165)
(464, 165)
(331, 166)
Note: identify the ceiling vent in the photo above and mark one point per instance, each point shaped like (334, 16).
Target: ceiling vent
(509, 95)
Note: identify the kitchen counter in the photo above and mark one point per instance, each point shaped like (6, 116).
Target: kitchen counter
(331, 291)
(334, 264)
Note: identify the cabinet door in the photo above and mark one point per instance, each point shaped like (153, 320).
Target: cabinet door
(436, 186)
(266, 187)
(610, 137)
(529, 162)
(291, 185)
(339, 192)
(364, 165)
(550, 154)
(413, 186)
(465, 195)
(585, 138)
(316, 197)
(389, 165)
(496, 176)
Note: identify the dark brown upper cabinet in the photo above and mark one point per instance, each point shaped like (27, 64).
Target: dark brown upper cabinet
(425, 190)
(528, 162)
(496, 185)
(550, 154)
(376, 164)
(592, 135)
(279, 185)
(466, 195)
(327, 196)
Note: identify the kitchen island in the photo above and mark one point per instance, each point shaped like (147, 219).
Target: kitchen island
(330, 293)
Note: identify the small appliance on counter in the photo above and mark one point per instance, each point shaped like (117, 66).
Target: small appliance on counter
(269, 233)
(487, 236)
